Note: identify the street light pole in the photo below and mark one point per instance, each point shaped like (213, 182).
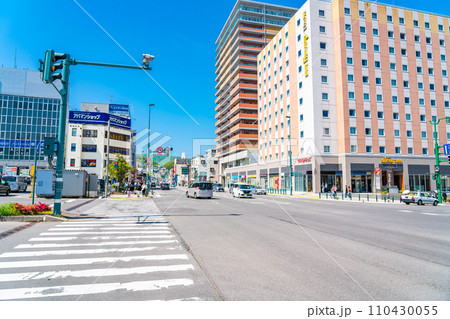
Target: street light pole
(290, 154)
(148, 145)
(107, 160)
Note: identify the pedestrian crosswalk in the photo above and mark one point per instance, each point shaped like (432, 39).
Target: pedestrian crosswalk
(101, 259)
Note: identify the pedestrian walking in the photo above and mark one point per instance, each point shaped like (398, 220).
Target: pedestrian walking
(444, 196)
(143, 189)
(333, 191)
(346, 191)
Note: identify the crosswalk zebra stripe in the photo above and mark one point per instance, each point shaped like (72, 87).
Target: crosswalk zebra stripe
(60, 291)
(108, 232)
(92, 272)
(85, 261)
(98, 237)
(109, 228)
(112, 243)
(76, 251)
(76, 224)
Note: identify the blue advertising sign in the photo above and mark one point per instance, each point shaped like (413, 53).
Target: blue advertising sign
(20, 143)
(99, 118)
(447, 149)
(120, 109)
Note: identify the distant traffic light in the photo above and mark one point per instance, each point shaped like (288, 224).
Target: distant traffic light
(116, 164)
(449, 159)
(51, 66)
(50, 146)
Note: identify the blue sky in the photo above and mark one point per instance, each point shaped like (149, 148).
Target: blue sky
(181, 35)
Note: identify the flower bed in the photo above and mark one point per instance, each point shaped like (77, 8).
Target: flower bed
(16, 209)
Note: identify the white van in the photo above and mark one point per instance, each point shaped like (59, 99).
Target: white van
(242, 190)
(17, 183)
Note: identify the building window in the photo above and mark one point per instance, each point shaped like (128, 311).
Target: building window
(348, 44)
(326, 149)
(365, 79)
(74, 132)
(352, 130)
(398, 150)
(346, 10)
(325, 96)
(352, 113)
(382, 150)
(367, 114)
(353, 148)
(396, 133)
(374, 15)
(349, 61)
(321, 29)
(408, 133)
(424, 134)
(321, 13)
(368, 131)
(380, 115)
(366, 96)
(427, 25)
(425, 151)
(348, 27)
(381, 132)
(350, 77)
(368, 149)
(72, 162)
(376, 48)
(416, 23)
(73, 147)
(375, 31)
(325, 114)
(323, 62)
(326, 131)
(395, 116)
(323, 45)
(324, 79)
(364, 62)
(410, 150)
(362, 30)
(351, 95)
(389, 18)
(361, 13)
(401, 20)
(408, 116)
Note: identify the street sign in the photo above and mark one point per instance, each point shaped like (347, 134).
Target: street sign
(377, 171)
(447, 149)
(159, 150)
(436, 168)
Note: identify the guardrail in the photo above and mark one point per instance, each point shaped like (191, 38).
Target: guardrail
(362, 197)
(281, 191)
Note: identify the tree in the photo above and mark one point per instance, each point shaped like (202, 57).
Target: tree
(169, 165)
(122, 170)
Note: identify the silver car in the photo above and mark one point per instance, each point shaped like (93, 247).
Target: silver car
(200, 190)
(258, 190)
(17, 183)
(420, 198)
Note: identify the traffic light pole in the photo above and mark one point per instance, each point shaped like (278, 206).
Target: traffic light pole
(438, 166)
(61, 135)
(49, 68)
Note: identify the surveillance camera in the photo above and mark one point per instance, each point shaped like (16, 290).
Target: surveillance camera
(147, 58)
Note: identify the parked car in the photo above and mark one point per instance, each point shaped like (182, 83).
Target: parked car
(200, 190)
(218, 187)
(258, 190)
(420, 198)
(165, 186)
(17, 183)
(5, 189)
(242, 190)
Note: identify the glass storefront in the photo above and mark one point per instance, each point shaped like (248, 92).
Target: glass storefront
(274, 181)
(263, 181)
(330, 179)
(445, 179)
(361, 182)
(419, 183)
(303, 182)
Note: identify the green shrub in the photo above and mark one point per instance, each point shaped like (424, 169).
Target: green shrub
(8, 209)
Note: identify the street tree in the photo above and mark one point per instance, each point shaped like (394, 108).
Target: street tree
(121, 170)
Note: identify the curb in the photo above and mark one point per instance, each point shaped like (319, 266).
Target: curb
(31, 219)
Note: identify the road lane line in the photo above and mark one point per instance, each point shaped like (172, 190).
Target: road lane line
(100, 238)
(107, 233)
(92, 272)
(60, 291)
(86, 261)
(52, 239)
(75, 251)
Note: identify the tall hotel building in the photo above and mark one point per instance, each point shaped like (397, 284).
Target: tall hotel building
(250, 26)
(356, 83)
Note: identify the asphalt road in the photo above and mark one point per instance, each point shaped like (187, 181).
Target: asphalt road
(281, 248)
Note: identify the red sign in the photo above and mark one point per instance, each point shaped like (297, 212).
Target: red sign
(304, 160)
(377, 171)
(159, 150)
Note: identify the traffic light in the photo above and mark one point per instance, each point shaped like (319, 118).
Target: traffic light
(50, 146)
(116, 164)
(51, 65)
(449, 159)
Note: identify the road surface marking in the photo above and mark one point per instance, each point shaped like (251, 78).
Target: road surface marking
(92, 272)
(112, 243)
(70, 200)
(52, 239)
(431, 214)
(404, 210)
(108, 233)
(85, 261)
(59, 291)
(127, 224)
(75, 252)
(110, 228)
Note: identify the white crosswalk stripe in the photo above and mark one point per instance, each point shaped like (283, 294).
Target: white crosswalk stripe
(104, 259)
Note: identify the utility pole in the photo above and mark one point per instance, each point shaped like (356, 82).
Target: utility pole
(38, 143)
(290, 154)
(107, 160)
(49, 68)
(437, 172)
